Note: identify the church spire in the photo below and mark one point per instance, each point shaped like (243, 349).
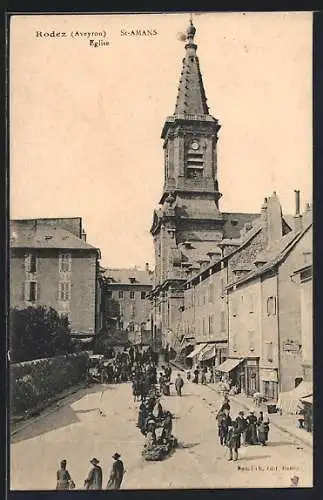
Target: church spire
(191, 99)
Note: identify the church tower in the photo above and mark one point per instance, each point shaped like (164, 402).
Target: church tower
(188, 218)
(190, 139)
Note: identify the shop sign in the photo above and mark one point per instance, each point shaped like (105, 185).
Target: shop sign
(291, 346)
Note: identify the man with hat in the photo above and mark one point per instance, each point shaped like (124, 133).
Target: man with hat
(242, 426)
(116, 474)
(94, 479)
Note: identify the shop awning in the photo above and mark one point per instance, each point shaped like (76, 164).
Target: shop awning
(288, 401)
(196, 351)
(229, 364)
(308, 399)
(208, 353)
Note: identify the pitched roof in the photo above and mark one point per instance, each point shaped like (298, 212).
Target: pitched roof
(42, 235)
(199, 250)
(191, 97)
(131, 276)
(276, 252)
(235, 222)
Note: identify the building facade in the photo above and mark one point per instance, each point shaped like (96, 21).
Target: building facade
(52, 265)
(125, 307)
(272, 327)
(303, 278)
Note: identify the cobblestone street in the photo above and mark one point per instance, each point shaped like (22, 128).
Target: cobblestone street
(77, 432)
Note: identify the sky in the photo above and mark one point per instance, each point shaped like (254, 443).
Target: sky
(85, 122)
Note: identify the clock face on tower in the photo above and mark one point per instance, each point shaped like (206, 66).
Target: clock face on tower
(195, 145)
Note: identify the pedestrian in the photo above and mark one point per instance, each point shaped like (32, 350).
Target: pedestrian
(225, 404)
(167, 426)
(64, 481)
(224, 423)
(188, 375)
(196, 375)
(203, 377)
(211, 378)
(233, 441)
(266, 424)
(157, 410)
(261, 432)
(116, 474)
(94, 479)
(242, 425)
(252, 428)
(179, 382)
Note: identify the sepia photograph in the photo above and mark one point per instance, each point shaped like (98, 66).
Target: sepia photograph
(160, 251)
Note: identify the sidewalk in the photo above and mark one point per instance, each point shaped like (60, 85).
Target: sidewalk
(48, 407)
(285, 423)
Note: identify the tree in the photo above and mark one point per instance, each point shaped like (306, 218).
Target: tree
(38, 333)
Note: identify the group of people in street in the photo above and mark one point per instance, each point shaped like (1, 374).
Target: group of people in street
(243, 430)
(155, 423)
(94, 479)
(122, 366)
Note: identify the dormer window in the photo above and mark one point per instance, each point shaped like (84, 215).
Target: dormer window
(132, 280)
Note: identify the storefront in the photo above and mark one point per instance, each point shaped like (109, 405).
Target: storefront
(187, 346)
(230, 370)
(269, 383)
(308, 413)
(249, 376)
(192, 359)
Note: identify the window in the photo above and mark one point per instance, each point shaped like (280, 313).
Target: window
(211, 293)
(64, 291)
(64, 262)
(211, 324)
(234, 307)
(269, 351)
(31, 291)
(132, 294)
(120, 294)
(33, 263)
(271, 306)
(221, 287)
(251, 337)
(222, 319)
(203, 327)
(109, 294)
(234, 342)
(143, 295)
(251, 304)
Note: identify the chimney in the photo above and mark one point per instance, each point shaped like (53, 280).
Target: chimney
(297, 201)
(147, 267)
(83, 235)
(307, 215)
(297, 217)
(274, 219)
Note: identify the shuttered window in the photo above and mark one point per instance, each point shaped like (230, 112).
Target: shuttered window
(31, 291)
(271, 306)
(65, 262)
(64, 291)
